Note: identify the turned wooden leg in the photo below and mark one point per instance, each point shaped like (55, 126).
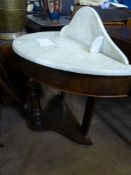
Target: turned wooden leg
(87, 118)
(34, 90)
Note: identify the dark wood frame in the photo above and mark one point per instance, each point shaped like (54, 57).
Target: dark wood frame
(63, 120)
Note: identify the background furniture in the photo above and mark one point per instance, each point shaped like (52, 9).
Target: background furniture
(110, 17)
(36, 24)
(66, 7)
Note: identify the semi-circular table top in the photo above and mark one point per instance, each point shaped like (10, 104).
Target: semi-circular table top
(63, 53)
(66, 64)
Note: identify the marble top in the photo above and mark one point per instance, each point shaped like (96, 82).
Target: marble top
(67, 54)
(78, 48)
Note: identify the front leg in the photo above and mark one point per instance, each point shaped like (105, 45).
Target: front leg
(34, 90)
(87, 118)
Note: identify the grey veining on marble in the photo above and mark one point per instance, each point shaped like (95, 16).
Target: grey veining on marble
(83, 47)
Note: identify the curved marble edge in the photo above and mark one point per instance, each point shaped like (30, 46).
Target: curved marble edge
(67, 55)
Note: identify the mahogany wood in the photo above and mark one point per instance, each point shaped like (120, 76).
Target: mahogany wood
(82, 84)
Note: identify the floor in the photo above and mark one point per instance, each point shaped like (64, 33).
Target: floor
(37, 153)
